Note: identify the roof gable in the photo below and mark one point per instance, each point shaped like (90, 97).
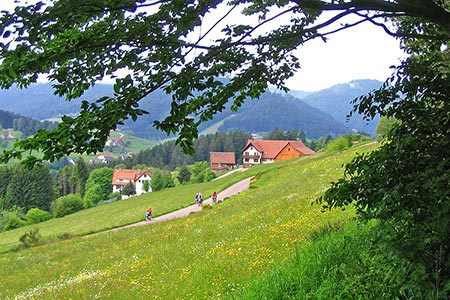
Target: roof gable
(127, 174)
(299, 146)
(222, 157)
(269, 149)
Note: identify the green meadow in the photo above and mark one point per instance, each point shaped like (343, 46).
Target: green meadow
(212, 254)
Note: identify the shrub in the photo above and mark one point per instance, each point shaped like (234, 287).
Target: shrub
(31, 238)
(11, 219)
(339, 144)
(37, 215)
(93, 196)
(13, 222)
(206, 206)
(67, 205)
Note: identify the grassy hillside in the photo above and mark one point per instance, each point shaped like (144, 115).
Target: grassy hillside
(205, 256)
(130, 144)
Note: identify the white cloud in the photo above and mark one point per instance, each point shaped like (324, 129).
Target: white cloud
(362, 52)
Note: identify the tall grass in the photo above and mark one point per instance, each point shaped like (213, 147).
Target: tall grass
(208, 255)
(344, 264)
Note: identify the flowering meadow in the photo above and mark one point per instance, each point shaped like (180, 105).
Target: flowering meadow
(207, 255)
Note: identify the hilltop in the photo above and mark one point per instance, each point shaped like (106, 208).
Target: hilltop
(336, 101)
(317, 113)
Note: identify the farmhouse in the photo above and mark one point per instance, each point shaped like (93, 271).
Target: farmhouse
(222, 161)
(103, 158)
(122, 177)
(6, 134)
(268, 151)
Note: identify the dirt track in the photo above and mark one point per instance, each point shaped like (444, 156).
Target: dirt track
(228, 192)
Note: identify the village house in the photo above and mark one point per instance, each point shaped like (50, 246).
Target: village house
(102, 158)
(222, 161)
(122, 177)
(268, 151)
(6, 134)
(114, 141)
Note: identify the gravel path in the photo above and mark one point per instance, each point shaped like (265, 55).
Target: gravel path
(228, 192)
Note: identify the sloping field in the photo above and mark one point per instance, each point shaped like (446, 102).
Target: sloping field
(204, 256)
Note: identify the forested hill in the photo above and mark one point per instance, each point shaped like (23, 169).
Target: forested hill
(336, 101)
(38, 101)
(281, 111)
(27, 126)
(271, 111)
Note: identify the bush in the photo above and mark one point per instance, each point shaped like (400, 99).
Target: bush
(13, 222)
(37, 215)
(67, 205)
(339, 144)
(11, 219)
(31, 239)
(93, 196)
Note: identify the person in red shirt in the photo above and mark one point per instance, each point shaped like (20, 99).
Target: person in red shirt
(148, 214)
(214, 197)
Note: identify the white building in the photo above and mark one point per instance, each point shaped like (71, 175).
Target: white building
(122, 177)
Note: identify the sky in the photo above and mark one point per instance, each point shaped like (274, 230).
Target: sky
(365, 51)
(362, 52)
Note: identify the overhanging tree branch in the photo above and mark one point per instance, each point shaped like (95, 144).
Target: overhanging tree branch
(77, 49)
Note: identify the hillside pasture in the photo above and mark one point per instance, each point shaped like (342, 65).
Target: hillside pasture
(207, 255)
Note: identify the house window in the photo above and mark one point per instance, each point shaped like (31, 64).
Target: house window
(255, 160)
(246, 153)
(247, 160)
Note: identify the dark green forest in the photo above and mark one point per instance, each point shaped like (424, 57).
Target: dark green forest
(27, 126)
(168, 155)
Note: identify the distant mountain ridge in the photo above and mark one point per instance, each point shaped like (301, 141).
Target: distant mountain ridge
(318, 113)
(336, 101)
(285, 112)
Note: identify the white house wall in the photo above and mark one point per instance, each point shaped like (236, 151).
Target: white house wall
(251, 151)
(140, 184)
(267, 161)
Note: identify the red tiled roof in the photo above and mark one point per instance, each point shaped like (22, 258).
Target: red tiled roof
(271, 148)
(301, 147)
(222, 157)
(126, 174)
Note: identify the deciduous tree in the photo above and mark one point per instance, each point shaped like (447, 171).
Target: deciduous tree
(98, 186)
(405, 183)
(75, 46)
(129, 189)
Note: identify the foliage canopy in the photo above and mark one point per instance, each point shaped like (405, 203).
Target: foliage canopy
(405, 183)
(75, 46)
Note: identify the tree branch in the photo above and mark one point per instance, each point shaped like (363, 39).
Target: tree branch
(427, 9)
